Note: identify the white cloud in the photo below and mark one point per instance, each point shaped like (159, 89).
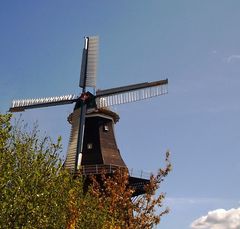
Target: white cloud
(219, 219)
(233, 57)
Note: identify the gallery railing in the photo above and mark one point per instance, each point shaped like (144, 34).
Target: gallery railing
(98, 169)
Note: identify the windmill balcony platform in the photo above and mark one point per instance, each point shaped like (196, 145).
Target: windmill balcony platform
(137, 178)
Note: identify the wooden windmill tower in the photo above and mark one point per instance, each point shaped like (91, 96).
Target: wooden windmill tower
(92, 144)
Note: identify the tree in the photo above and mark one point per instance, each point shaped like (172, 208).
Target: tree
(36, 192)
(33, 187)
(118, 208)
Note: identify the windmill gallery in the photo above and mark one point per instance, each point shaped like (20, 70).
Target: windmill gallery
(92, 146)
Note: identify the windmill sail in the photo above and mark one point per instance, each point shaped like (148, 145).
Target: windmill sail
(22, 104)
(89, 63)
(131, 93)
(87, 79)
(71, 159)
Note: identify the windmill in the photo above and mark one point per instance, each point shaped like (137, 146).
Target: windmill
(92, 145)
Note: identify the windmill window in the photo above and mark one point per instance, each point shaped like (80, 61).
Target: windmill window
(89, 146)
(105, 128)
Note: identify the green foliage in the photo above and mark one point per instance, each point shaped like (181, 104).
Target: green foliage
(33, 187)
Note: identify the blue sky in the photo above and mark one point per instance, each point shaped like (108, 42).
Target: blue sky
(195, 44)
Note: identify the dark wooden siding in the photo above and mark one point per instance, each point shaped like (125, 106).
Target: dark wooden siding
(104, 147)
(91, 156)
(110, 151)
